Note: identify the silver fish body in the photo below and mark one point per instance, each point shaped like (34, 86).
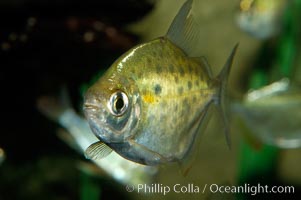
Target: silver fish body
(154, 100)
(262, 18)
(273, 114)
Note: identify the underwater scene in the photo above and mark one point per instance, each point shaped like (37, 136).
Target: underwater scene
(150, 99)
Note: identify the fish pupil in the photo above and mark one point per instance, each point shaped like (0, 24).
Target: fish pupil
(119, 104)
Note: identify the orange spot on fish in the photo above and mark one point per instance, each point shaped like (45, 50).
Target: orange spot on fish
(149, 98)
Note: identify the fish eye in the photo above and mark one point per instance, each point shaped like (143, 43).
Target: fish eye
(118, 103)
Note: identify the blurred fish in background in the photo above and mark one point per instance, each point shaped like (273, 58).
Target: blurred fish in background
(270, 111)
(120, 169)
(273, 114)
(2, 155)
(261, 18)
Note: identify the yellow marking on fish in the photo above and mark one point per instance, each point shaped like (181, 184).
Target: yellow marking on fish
(149, 98)
(245, 5)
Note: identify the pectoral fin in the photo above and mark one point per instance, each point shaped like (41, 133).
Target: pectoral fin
(97, 150)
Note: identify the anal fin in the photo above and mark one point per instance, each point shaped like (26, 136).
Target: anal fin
(189, 159)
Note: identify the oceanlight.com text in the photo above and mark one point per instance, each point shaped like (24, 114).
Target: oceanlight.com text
(252, 189)
(190, 188)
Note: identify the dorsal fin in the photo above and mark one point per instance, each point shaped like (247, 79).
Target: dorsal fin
(183, 31)
(205, 64)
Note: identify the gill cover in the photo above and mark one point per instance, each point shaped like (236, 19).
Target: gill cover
(112, 108)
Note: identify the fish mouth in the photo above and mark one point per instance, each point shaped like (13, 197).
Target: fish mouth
(91, 106)
(96, 120)
(96, 116)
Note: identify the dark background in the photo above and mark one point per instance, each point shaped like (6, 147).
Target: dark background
(37, 59)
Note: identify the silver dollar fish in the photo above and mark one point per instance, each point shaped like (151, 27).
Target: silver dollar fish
(153, 101)
(273, 114)
(262, 18)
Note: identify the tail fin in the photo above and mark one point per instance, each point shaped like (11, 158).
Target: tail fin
(54, 107)
(222, 79)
